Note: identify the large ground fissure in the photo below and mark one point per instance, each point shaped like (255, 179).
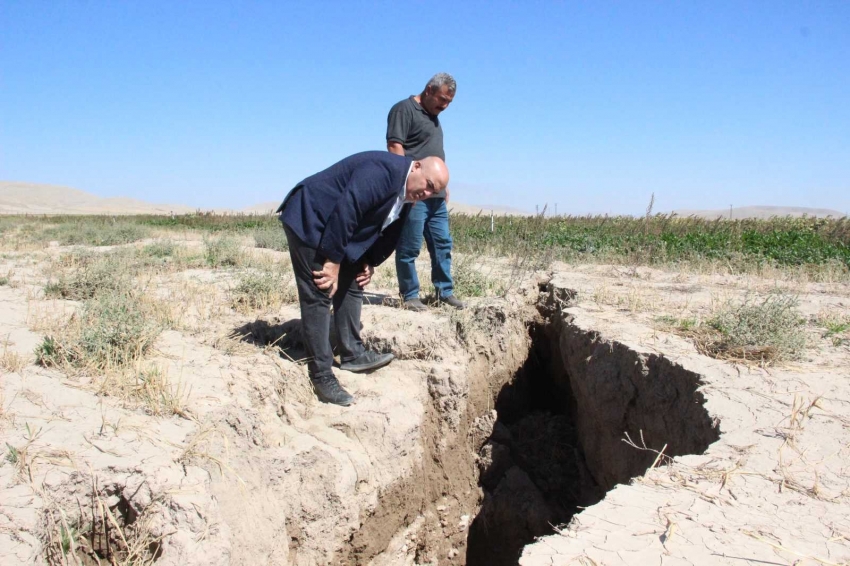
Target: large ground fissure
(554, 443)
(558, 442)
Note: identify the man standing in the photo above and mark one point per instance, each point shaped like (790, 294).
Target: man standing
(414, 130)
(340, 224)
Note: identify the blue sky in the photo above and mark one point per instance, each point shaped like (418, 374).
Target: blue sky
(593, 105)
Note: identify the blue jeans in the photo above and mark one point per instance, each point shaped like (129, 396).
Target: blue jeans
(429, 218)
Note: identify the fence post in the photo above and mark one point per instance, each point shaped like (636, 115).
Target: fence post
(491, 221)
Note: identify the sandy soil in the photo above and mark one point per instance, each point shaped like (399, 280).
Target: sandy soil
(255, 471)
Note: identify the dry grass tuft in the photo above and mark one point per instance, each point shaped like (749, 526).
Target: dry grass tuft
(765, 331)
(111, 331)
(11, 361)
(107, 536)
(263, 290)
(224, 251)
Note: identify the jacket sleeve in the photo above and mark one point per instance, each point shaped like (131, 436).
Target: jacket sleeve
(368, 187)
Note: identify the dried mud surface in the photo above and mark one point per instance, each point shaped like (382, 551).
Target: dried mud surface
(435, 451)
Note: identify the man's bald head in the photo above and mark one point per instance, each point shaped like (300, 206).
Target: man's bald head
(427, 177)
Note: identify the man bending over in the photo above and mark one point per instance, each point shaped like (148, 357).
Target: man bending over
(340, 224)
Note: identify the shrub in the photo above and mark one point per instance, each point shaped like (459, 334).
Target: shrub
(271, 238)
(767, 331)
(95, 233)
(104, 273)
(262, 290)
(111, 331)
(223, 252)
(160, 249)
(470, 282)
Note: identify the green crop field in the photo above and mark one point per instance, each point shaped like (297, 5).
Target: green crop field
(659, 239)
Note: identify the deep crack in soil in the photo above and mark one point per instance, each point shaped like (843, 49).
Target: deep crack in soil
(555, 442)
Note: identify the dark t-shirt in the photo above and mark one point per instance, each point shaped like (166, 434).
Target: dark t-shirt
(417, 131)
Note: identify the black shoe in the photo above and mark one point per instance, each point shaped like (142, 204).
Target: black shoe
(367, 361)
(414, 305)
(329, 390)
(452, 301)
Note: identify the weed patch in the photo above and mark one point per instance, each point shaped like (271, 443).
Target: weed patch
(111, 331)
(160, 249)
(93, 233)
(765, 331)
(261, 291)
(271, 238)
(471, 282)
(223, 252)
(94, 274)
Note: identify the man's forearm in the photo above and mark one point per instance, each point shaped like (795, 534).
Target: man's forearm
(395, 147)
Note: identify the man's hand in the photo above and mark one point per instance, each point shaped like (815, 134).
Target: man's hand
(447, 196)
(328, 277)
(365, 277)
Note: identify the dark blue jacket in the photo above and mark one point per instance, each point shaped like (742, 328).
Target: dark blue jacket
(340, 210)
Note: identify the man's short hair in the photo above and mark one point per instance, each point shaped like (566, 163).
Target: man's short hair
(440, 80)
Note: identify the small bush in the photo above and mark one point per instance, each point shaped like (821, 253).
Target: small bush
(470, 282)
(160, 249)
(271, 238)
(111, 331)
(223, 252)
(261, 291)
(105, 273)
(4, 281)
(95, 233)
(766, 331)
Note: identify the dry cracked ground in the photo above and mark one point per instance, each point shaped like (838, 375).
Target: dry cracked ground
(573, 421)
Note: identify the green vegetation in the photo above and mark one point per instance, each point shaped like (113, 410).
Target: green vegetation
(263, 290)
(658, 239)
(273, 238)
(223, 251)
(95, 233)
(93, 274)
(768, 330)
(112, 331)
(160, 249)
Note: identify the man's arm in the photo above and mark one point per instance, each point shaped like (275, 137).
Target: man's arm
(398, 127)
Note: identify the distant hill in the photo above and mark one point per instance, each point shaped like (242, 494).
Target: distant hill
(18, 197)
(762, 212)
(33, 198)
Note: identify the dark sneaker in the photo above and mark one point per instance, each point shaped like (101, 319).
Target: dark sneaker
(367, 361)
(452, 301)
(329, 390)
(414, 305)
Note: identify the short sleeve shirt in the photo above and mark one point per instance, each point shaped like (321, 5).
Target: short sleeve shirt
(419, 133)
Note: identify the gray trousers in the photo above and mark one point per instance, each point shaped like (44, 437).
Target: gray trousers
(316, 308)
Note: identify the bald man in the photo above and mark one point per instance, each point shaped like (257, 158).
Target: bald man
(340, 224)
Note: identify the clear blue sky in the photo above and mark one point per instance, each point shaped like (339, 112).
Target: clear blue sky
(593, 105)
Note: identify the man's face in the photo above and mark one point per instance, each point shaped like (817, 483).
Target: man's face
(421, 184)
(435, 101)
